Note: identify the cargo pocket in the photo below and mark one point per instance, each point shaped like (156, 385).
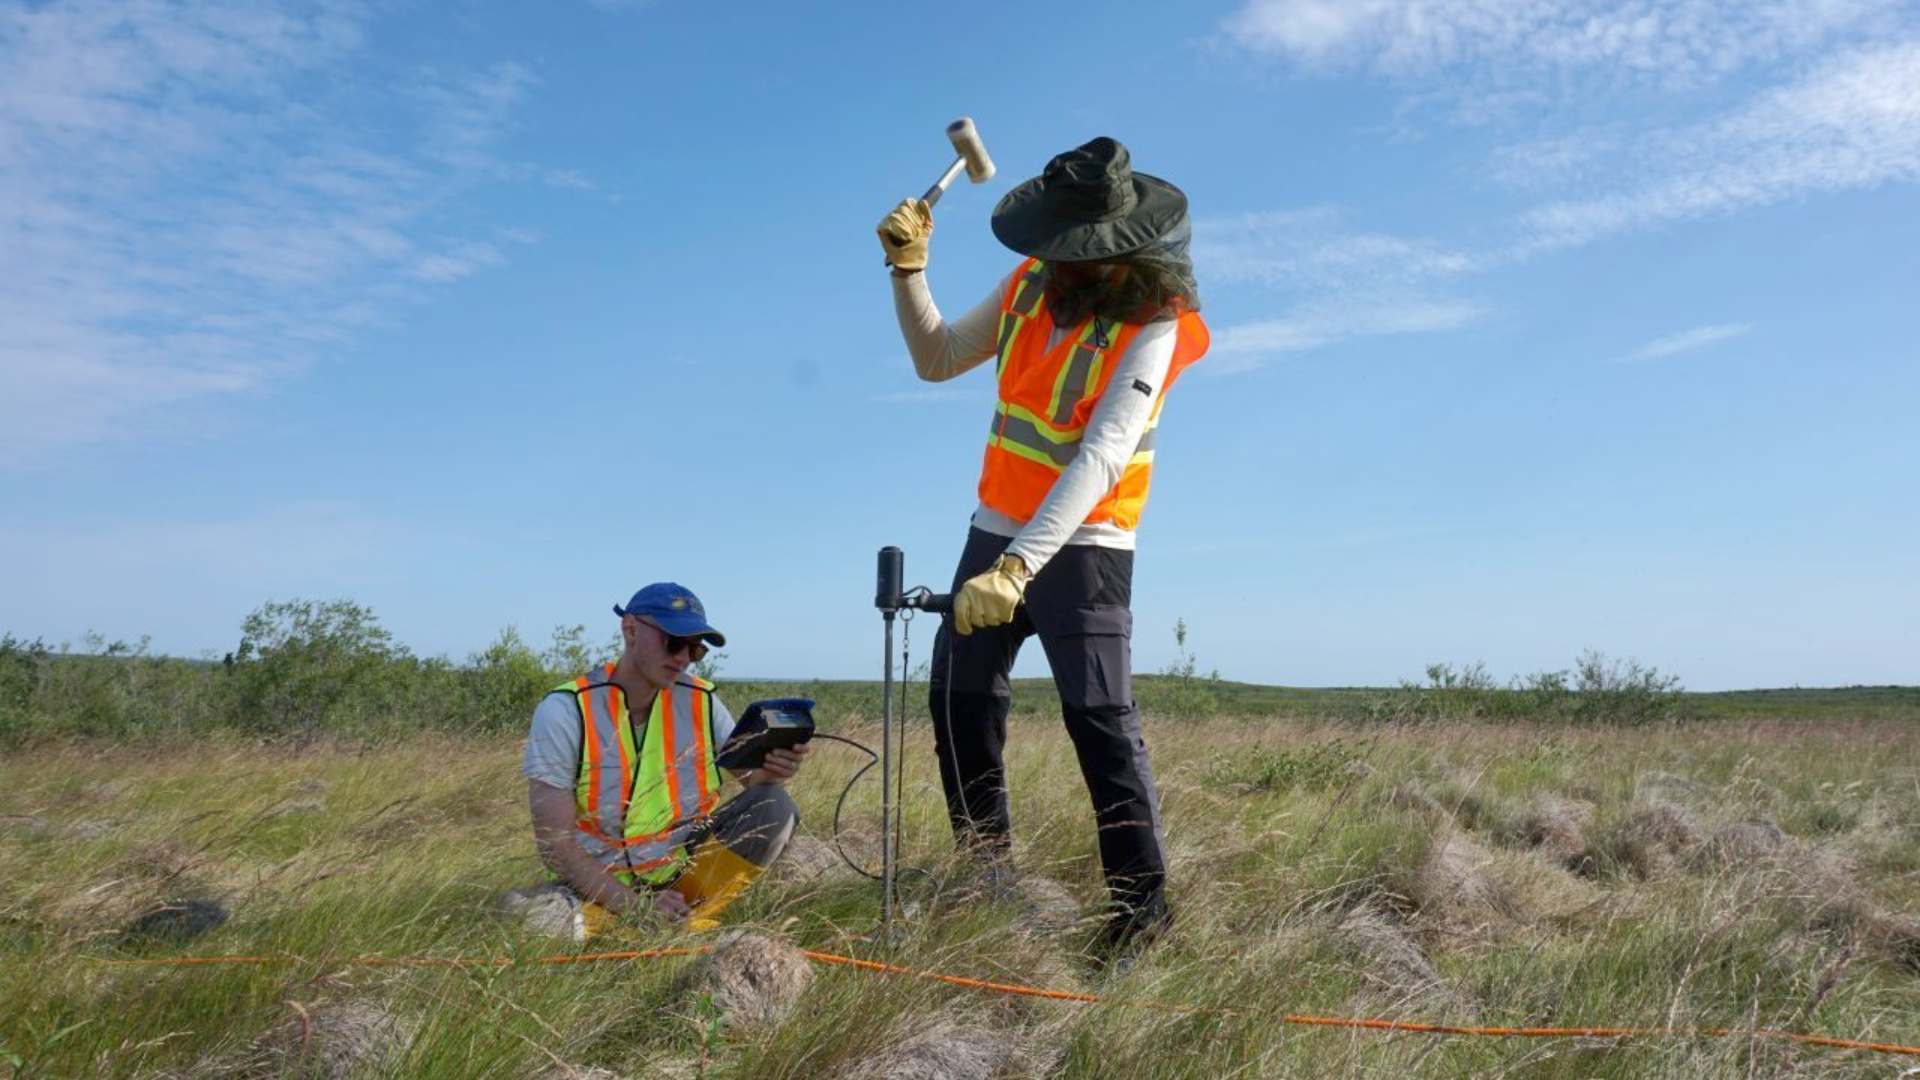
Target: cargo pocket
(1092, 657)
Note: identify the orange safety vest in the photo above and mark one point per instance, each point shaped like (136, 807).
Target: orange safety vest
(1047, 396)
(638, 804)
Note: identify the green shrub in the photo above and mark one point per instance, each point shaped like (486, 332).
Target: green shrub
(1180, 690)
(1596, 691)
(502, 681)
(1313, 767)
(304, 666)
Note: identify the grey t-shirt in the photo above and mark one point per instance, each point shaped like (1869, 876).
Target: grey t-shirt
(553, 740)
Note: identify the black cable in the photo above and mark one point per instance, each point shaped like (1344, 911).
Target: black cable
(839, 804)
(900, 788)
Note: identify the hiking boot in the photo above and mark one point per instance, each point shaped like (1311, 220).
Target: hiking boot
(1130, 930)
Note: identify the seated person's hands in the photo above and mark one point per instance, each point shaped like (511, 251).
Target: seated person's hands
(779, 767)
(670, 905)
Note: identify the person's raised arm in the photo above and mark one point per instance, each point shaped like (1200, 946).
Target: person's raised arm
(940, 349)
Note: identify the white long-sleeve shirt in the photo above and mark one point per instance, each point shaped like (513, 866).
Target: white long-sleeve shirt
(942, 350)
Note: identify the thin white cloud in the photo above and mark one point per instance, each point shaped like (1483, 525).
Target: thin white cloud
(1663, 41)
(1852, 123)
(570, 179)
(186, 213)
(1246, 346)
(462, 260)
(1346, 283)
(1313, 248)
(1700, 337)
(467, 113)
(1839, 110)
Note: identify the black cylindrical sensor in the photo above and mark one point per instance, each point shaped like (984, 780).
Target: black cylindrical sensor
(889, 579)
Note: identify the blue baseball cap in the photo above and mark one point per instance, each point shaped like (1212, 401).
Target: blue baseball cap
(672, 608)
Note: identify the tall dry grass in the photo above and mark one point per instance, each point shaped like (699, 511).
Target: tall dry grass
(1715, 875)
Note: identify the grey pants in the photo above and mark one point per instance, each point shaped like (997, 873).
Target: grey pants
(1078, 607)
(755, 824)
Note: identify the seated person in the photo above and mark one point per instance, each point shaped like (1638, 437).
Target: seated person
(624, 790)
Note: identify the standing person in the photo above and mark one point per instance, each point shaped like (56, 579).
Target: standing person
(1090, 332)
(624, 790)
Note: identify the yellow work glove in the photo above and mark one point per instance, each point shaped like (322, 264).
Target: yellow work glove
(904, 233)
(989, 599)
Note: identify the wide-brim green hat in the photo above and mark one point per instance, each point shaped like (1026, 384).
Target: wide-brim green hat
(1088, 204)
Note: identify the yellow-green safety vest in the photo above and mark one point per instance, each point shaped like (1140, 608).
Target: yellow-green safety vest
(638, 805)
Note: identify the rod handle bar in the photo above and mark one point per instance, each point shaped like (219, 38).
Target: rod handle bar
(937, 603)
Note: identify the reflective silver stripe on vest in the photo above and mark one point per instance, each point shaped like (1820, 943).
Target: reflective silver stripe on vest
(1009, 324)
(1026, 294)
(610, 814)
(1026, 300)
(1079, 368)
(1024, 433)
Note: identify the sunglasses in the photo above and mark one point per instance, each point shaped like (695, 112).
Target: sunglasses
(695, 648)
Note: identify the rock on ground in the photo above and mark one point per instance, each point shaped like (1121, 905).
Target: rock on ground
(549, 909)
(944, 1049)
(338, 1040)
(1461, 886)
(174, 923)
(1395, 964)
(1741, 843)
(752, 978)
(1046, 907)
(807, 859)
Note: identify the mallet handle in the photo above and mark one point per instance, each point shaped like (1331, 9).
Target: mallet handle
(939, 187)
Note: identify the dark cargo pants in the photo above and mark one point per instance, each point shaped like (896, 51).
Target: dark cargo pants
(1079, 606)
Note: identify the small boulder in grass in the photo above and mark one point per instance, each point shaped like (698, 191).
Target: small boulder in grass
(1396, 965)
(808, 860)
(752, 978)
(942, 1048)
(1046, 907)
(337, 1040)
(551, 910)
(174, 923)
(1894, 937)
(1741, 843)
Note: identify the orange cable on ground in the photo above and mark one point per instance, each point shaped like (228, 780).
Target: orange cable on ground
(874, 966)
(955, 980)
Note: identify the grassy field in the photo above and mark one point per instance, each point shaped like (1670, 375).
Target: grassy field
(1761, 870)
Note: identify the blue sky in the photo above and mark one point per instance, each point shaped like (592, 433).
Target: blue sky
(1538, 326)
